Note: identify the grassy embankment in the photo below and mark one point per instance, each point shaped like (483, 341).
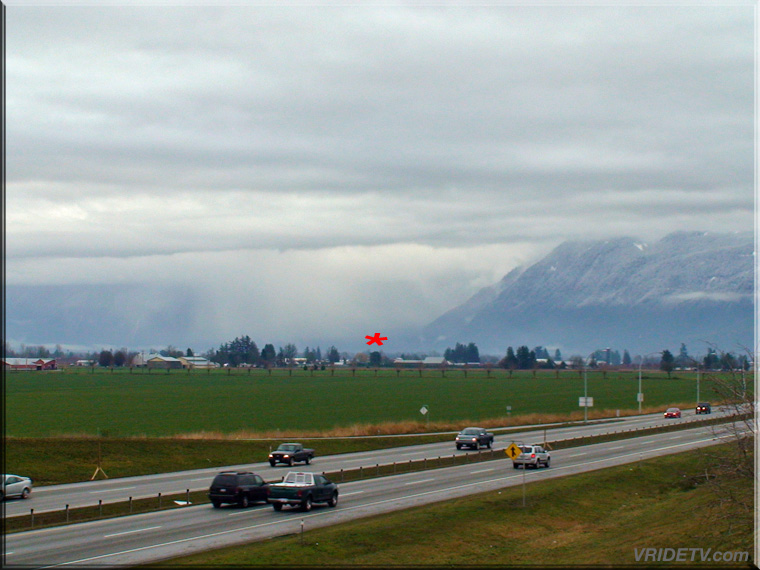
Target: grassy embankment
(597, 518)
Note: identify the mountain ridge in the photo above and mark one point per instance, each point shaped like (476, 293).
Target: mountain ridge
(695, 287)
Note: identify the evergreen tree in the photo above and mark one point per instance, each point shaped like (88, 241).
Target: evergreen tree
(333, 355)
(626, 358)
(667, 362)
(268, 354)
(557, 356)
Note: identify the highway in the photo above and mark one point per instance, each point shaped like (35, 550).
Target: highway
(88, 493)
(153, 537)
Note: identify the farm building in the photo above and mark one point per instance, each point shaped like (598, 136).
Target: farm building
(428, 361)
(158, 361)
(197, 362)
(29, 363)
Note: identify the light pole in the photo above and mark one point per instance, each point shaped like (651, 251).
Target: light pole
(640, 395)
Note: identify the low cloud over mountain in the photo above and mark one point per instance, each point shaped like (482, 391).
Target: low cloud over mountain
(690, 287)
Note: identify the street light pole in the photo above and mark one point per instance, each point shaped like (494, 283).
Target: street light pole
(585, 393)
(638, 396)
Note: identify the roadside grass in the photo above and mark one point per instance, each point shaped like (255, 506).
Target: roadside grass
(178, 499)
(238, 403)
(54, 461)
(597, 518)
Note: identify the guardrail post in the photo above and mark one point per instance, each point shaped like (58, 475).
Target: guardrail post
(32, 513)
(130, 505)
(424, 464)
(100, 508)
(377, 469)
(159, 495)
(341, 476)
(360, 472)
(67, 513)
(187, 494)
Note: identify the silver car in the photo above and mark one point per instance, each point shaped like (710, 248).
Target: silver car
(16, 486)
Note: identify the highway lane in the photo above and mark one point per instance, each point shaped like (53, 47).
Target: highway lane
(157, 536)
(56, 497)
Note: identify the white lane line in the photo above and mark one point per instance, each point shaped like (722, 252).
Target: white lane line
(480, 471)
(617, 447)
(381, 502)
(109, 490)
(418, 482)
(131, 531)
(351, 493)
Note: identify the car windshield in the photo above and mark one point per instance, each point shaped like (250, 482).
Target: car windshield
(470, 431)
(287, 447)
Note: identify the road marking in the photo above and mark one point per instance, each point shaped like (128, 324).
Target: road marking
(351, 493)
(381, 502)
(204, 479)
(131, 531)
(481, 471)
(418, 482)
(109, 490)
(617, 447)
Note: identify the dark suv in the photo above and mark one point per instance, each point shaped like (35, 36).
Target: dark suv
(237, 487)
(703, 408)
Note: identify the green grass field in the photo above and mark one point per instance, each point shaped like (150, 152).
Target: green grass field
(158, 404)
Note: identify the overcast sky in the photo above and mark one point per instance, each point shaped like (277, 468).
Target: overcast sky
(356, 168)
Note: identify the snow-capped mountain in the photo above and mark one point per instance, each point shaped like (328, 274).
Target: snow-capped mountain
(690, 287)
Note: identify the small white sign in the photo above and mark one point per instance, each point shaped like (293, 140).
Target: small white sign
(586, 402)
(640, 397)
(423, 410)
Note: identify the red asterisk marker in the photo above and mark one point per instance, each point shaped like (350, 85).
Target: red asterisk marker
(377, 338)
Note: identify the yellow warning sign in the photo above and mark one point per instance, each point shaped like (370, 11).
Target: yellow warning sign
(513, 451)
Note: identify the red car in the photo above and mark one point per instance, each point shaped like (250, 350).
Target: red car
(672, 413)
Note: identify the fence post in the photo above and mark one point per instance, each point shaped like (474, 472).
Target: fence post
(187, 495)
(341, 475)
(377, 469)
(130, 505)
(100, 508)
(32, 518)
(424, 464)
(360, 472)
(159, 495)
(67, 512)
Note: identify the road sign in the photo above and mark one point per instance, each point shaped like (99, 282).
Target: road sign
(423, 410)
(513, 451)
(640, 397)
(586, 402)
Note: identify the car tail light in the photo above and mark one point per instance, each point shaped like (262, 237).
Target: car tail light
(532, 455)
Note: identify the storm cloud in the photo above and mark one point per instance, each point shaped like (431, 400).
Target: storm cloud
(351, 167)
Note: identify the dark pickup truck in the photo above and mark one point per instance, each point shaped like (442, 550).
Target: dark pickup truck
(290, 453)
(474, 437)
(300, 489)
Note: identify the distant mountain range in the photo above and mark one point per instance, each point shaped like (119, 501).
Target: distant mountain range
(695, 288)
